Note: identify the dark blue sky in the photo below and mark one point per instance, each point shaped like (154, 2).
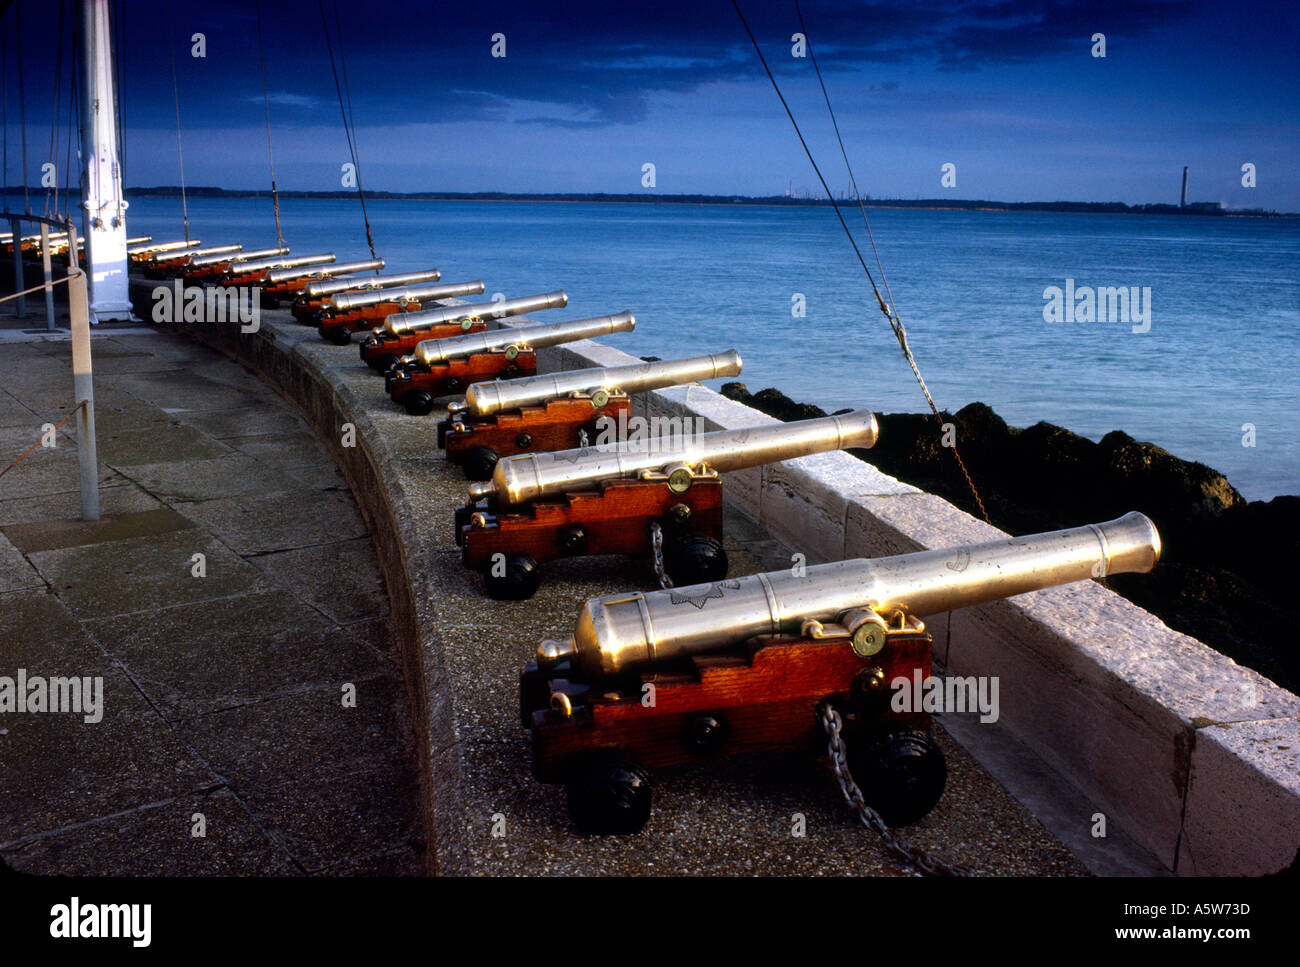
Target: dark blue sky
(589, 92)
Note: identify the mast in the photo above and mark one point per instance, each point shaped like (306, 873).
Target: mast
(101, 172)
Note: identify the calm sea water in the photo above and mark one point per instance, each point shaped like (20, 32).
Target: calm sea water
(1223, 348)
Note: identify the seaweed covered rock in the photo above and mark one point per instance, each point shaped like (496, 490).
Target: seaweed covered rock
(1153, 475)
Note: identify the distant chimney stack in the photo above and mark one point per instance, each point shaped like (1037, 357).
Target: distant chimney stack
(1182, 201)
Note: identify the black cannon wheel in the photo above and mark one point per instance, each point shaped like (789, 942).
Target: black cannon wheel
(479, 462)
(418, 403)
(518, 579)
(696, 560)
(383, 362)
(608, 793)
(338, 335)
(534, 692)
(901, 773)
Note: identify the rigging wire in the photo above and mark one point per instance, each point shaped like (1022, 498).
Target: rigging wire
(74, 129)
(888, 310)
(176, 99)
(348, 125)
(266, 98)
(119, 59)
(22, 103)
(54, 114)
(4, 68)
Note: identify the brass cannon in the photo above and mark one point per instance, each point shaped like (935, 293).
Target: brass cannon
(344, 313)
(256, 271)
(441, 367)
(160, 265)
(286, 282)
(754, 663)
(307, 307)
(148, 250)
(657, 497)
(558, 411)
(400, 334)
(201, 267)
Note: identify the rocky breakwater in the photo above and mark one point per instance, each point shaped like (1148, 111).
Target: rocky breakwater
(1225, 577)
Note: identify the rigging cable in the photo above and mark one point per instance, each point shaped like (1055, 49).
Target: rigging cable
(266, 98)
(22, 104)
(54, 114)
(176, 99)
(889, 311)
(348, 127)
(119, 59)
(4, 118)
(74, 128)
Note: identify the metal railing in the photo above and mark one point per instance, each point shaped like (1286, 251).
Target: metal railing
(63, 225)
(82, 383)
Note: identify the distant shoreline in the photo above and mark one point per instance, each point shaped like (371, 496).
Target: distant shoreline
(1209, 209)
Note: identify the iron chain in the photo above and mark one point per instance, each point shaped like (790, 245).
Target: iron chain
(657, 554)
(913, 856)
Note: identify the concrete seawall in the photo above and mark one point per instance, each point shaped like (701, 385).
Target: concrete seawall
(1196, 758)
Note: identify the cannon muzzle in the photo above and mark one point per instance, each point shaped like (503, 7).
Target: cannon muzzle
(199, 261)
(324, 287)
(527, 477)
(278, 262)
(407, 321)
(224, 250)
(149, 248)
(855, 598)
(484, 399)
(433, 351)
(325, 272)
(427, 292)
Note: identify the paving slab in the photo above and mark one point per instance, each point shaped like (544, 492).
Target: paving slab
(123, 498)
(38, 633)
(46, 470)
(12, 412)
(222, 424)
(160, 443)
(61, 770)
(341, 579)
(302, 735)
(184, 391)
(16, 573)
(340, 816)
(49, 535)
(158, 840)
(223, 476)
(144, 573)
(259, 523)
(215, 655)
(297, 450)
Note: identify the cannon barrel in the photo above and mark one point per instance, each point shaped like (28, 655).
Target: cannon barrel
(277, 262)
(196, 253)
(408, 321)
(427, 292)
(526, 477)
(148, 248)
(484, 399)
(139, 239)
(433, 351)
(338, 268)
(623, 630)
(199, 261)
(324, 287)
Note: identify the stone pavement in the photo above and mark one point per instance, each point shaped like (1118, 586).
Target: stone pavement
(225, 696)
